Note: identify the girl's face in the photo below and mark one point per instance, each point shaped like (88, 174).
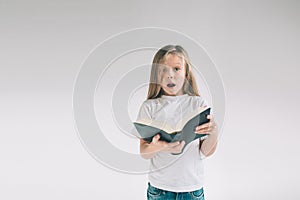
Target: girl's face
(172, 73)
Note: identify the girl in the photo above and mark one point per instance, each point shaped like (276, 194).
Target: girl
(172, 94)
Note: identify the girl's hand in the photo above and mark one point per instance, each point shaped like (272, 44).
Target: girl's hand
(209, 128)
(172, 147)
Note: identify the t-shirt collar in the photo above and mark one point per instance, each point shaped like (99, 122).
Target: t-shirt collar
(174, 97)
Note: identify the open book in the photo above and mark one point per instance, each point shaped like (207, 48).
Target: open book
(185, 129)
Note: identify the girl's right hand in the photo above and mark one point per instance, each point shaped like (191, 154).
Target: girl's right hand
(172, 147)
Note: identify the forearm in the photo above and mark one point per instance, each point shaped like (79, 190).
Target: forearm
(147, 151)
(209, 145)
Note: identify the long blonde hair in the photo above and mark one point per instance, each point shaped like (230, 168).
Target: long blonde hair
(189, 87)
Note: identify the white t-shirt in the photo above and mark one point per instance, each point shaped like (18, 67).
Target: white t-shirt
(177, 173)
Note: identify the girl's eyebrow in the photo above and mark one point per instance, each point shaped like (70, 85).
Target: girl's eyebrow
(178, 64)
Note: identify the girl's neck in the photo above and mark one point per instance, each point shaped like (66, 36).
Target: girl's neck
(165, 96)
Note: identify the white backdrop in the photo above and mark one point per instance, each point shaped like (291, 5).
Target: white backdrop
(255, 45)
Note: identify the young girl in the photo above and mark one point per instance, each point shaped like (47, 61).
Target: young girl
(172, 94)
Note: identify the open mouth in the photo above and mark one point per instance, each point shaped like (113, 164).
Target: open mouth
(170, 85)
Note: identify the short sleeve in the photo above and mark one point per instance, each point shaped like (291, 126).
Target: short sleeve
(144, 112)
(201, 102)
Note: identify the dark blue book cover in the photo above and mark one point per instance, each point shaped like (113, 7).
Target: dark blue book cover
(186, 131)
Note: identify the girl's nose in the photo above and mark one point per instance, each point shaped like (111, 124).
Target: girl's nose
(171, 74)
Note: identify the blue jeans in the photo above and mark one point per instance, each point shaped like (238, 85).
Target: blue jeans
(154, 193)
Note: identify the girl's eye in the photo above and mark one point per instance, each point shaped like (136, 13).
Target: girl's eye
(164, 70)
(177, 68)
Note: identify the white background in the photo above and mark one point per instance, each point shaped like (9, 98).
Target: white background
(255, 45)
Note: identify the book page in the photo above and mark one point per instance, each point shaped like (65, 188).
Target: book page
(168, 128)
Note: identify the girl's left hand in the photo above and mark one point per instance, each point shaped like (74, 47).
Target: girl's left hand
(209, 128)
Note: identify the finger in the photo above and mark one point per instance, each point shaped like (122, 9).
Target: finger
(179, 147)
(203, 132)
(210, 117)
(207, 128)
(173, 144)
(155, 138)
(211, 123)
(182, 144)
(203, 126)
